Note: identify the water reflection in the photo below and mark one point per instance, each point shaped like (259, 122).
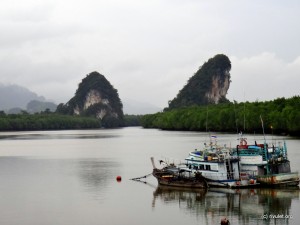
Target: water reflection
(244, 206)
(95, 174)
(56, 135)
(24, 174)
(187, 198)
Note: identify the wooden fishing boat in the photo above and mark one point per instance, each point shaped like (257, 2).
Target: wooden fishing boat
(174, 176)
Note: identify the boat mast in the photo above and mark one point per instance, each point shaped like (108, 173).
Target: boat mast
(206, 118)
(244, 113)
(265, 145)
(236, 124)
(206, 128)
(263, 129)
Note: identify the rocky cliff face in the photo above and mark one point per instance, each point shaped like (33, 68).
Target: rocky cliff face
(96, 97)
(93, 98)
(209, 84)
(219, 88)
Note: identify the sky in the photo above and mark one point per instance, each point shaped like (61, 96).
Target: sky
(149, 49)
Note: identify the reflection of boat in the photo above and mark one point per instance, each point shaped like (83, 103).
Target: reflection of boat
(178, 177)
(253, 204)
(173, 194)
(240, 206)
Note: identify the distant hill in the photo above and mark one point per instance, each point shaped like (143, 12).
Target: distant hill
(208, 85)
(133, 107)
(36, 106)
(15, 96)
(14, 99)
(96, 97)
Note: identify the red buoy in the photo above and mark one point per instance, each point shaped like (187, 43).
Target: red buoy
(119, 178)
(225, 221)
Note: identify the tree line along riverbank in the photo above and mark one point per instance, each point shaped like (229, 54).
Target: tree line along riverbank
(45, 121)
(54, 121)
(280, 116)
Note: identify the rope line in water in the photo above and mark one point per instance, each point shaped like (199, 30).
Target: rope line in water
(138, 178)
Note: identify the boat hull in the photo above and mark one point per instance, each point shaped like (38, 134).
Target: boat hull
(168, 179)
(183, 184)
(279, 180)
(233, 184)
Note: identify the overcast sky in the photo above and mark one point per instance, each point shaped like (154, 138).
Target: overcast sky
(148, 49)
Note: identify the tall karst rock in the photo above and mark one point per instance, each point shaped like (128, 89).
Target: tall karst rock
(96, 97)
(208, 85)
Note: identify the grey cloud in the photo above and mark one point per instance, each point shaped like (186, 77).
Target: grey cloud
(147, 49)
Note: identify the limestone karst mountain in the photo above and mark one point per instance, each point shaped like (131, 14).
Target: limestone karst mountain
(96, 97)
(208, 85)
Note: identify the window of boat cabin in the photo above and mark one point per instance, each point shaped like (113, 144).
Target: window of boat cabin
(207, 167)
(200, 167)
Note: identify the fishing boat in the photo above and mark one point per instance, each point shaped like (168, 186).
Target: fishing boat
(251, 157)
(246, 166)
(178, 176)
(268, 164)
(219, 167)
(277, 171)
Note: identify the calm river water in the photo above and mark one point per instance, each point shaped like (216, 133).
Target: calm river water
(69, 178)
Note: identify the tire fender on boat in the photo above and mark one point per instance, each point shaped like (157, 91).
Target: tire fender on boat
(251, 181)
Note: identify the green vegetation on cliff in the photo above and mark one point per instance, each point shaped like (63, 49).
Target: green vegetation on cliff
(280, 116)
(208, 85)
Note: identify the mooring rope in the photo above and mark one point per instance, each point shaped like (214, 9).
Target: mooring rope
(138, 178)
